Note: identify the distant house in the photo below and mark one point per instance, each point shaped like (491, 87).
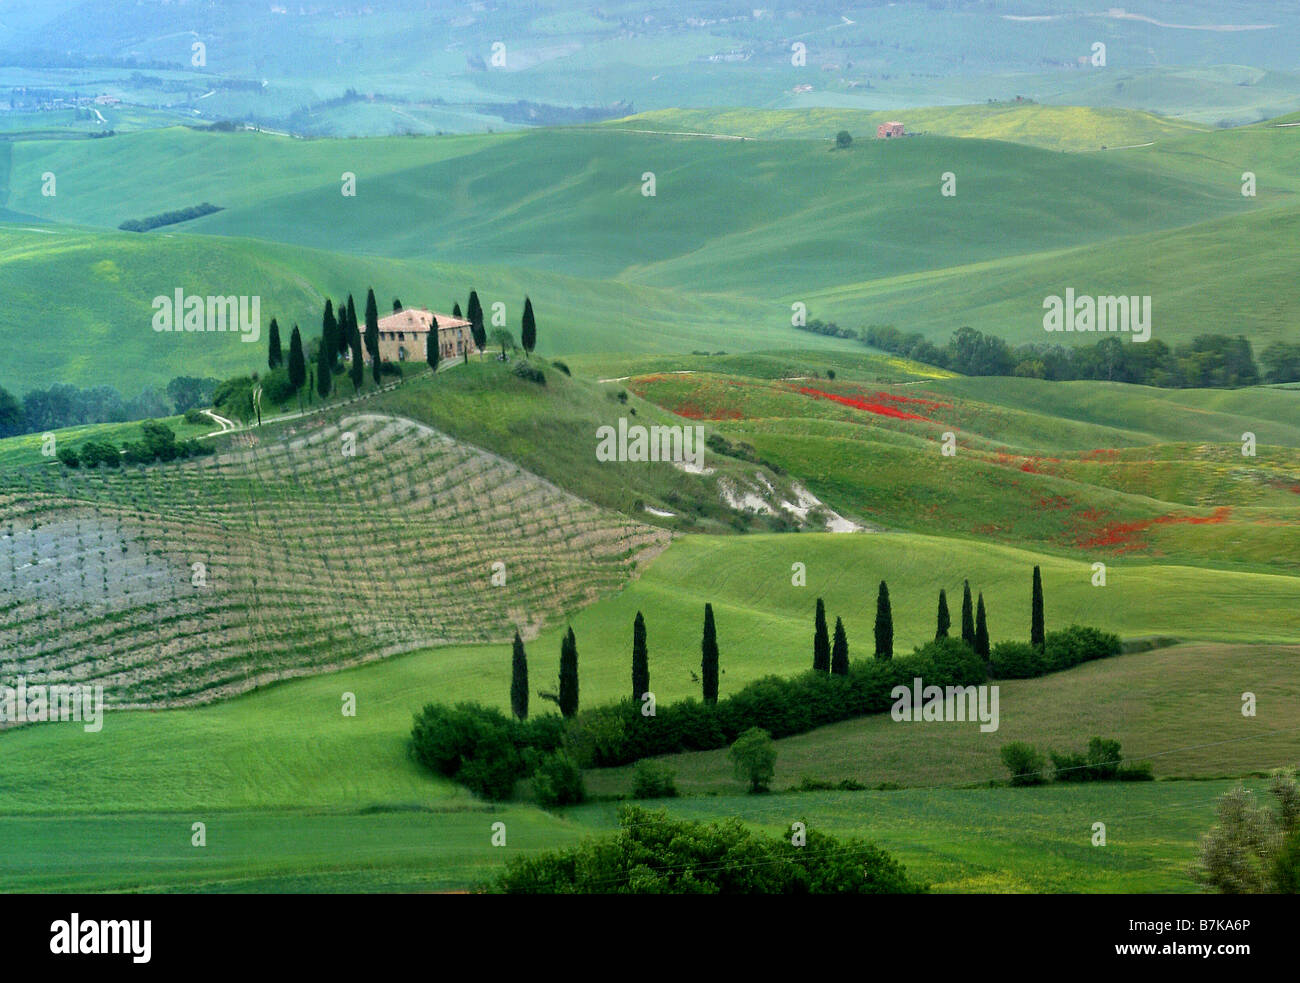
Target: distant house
(887, 131)
(404, 334)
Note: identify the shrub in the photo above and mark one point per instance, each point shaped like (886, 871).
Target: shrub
(97, 452)
(445, 738)
(137, 452)
(562, 367)
(69, 457)
(1103, 759)
(753, 756)
(197, 416)
(390, 368)
(1026, 765)
(529, 372)
(494, 768)
(653, 780)
(1135, 771)
(1016, 660)
(558, 782)
(654, 854)
(1069, 767)
(1077, 644)
(276, 387)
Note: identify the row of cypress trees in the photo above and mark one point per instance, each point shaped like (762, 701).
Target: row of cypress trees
(828, 656)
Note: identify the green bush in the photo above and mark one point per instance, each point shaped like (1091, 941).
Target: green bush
(137, 452)
(654, 854)
(558, 782)
(562, 367)
(1103, 759)
(653, 780)
(1135, 771)
(276, 387)
(1076, 644)
(494, 768)
(1026, 765)
(1016, 660)
(529, 372)
(96, 452)
(196, 416)
(69, 457)
(1069, 767)
(753, 757)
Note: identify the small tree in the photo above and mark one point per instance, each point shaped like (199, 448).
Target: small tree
(709, 657)
(297, 364)
(981, 630)
(821, 640)
(753, 756)
(1248, 850)
(640, 660)
(397, 305)
(1037, 634)
(274, 357)
(569, 675)
(502, 337)
(884, 624)
(431, 351)
(843, 139)
(1026, 764)
(372, 333)
(528, 328)
(945, 622)
(519, 679)
(967, 616)
(840, 651)
(474, 314)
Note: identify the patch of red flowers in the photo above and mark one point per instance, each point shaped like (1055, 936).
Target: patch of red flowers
(1124, 536)
(861, 404)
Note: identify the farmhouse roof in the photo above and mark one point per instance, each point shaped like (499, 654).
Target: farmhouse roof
(417, 320)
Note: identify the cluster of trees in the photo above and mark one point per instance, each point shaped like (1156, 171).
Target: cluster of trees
(834, 689)
(168, 218)
(653, 854)
(157, 443)
(1254, 848)
(1102, 762)
(1207, 361)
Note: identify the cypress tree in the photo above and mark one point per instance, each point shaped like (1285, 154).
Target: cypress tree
(519, 679)
(397, 305)
(640, 660)
(1037, 634)
(474, 313)
(945, 622)
(967, 617)
(840, 651)
(357, 370)
(325, 354)
(297, 364)
(528, 328)
(345, 329)
(884, 624)
(569, 674)
(274, 357)
(372, 332)
(455, 311)
(431, 351)
(329, 333)
(352, 314)
(981, 630)
(709, 657)
(821, 640)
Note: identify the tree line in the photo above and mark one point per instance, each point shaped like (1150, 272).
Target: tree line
(1207, 361)
(64, 405)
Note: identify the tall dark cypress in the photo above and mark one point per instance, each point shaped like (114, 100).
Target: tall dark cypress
(326, 353)
(357, 370)
(345, 328)
(640, 660)
(840, 651)
(981, 629)
(1037, 633)
(372, 332)
(967, 617)
(519, 680)
(884, 624)
(330, 333)
(709, 657)
(297, 364)
(569, 675)
(945, 622)
(474, 314)
(528, 328)
(455, 311)
(821, 640)
(431, 350)
(274, 357)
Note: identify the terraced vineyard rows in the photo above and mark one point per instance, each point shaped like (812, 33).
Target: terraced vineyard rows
(333, 544)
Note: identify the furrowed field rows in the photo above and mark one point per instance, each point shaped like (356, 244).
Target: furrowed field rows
(324, 546)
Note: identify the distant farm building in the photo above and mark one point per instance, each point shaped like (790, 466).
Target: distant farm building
(404, 334)
(887, 131)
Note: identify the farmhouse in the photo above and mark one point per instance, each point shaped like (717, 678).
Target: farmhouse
(403, 335)
(887, 131)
